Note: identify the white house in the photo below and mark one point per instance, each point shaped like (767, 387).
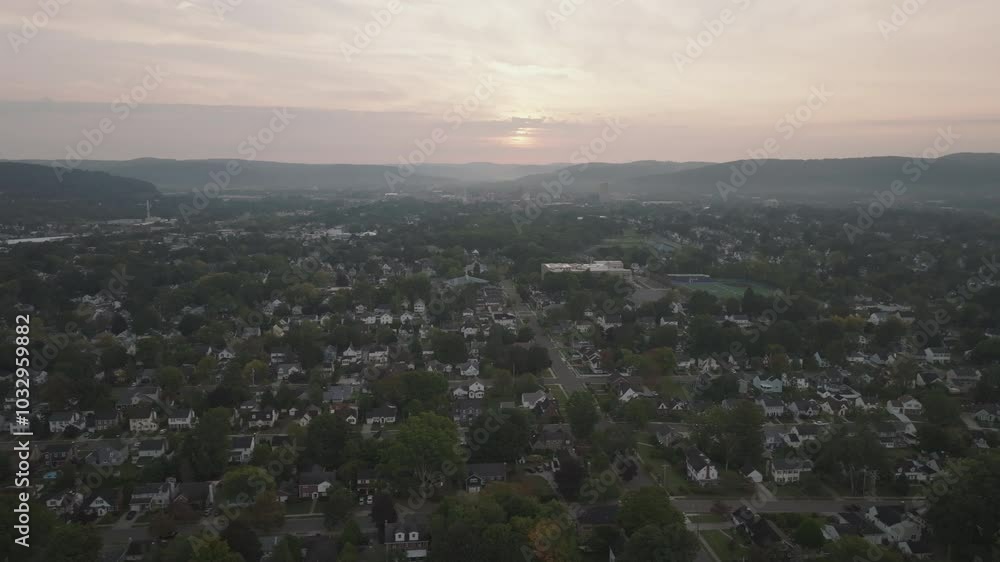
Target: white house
(700, 468)
(789, 470)
(142, 419)
(773, 407)
(906, 405)
(183, 418)
(60, 421)
(937, 354)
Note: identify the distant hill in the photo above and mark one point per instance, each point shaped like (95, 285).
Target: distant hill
(185, 175)
(589, 177)
(31, 181)
(968, 177)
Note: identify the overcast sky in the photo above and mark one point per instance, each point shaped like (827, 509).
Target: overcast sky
(547, 80)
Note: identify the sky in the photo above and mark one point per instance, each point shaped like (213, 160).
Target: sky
(512, 81)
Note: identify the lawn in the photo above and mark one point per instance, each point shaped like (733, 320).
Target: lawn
(724, 547)
(302, 507)
(560, 395)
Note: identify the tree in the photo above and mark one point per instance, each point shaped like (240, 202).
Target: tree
(569, 477)
(162, 526)
(339, 505)
(383, 511)
(967, 516)
(206, 448)
(242, 540)
(170, 379)
(582, 413)
(670, 543)
(423, 444)
(352, 533)
(242, 485)
(214, 549)
(735, 436)
(649, 505)
(809, 534)
(328, 440)
(851, 549)
(73, 543)
(639, 411)
(448, 347)
(267, 512)
(508, 436)
(349, 553)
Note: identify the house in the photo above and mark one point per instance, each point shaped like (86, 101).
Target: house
(894, 522)
(474, 389)
(108, 454)
(102, 502)
(700, 468)
(937, 355)
(338, 393)
(769, 385)
(466, 409)
(382, 415)
(805, 408)
(152, 448)
(609, 321)
(241, 448)
(906, 405)
(147, 497)
(61, 421)
(409, 536)
(552, 437)
(104, 420)
(752, 474)
(469, 369)
(917, 471)
(182, 418)
(531, 399)
(56, 454)
(773, 407)
(789, 470)
(142, 418)
(479, 475)
(315, 483)
(261, 418)
(988, 413)
(196, 495)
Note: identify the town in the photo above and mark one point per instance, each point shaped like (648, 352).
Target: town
(413, 379)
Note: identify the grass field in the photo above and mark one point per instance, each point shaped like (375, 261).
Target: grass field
(721, 544)
(725, 288)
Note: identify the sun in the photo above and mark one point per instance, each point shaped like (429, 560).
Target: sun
(520, 138)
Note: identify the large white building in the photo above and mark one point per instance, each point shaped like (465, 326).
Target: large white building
(613, 267)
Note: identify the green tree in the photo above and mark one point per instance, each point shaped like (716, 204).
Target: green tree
(809, 534)
(508, 435)
(423, 444)
(851, 549)
(339, 505)
(242, 540)
(582, 413)
(670, 543)
(242, 485)
(647, 506)
(205, 450)
(214, 549)
(329, 441)
(72, 543)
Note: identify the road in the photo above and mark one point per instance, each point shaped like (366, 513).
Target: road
(565, 375)
(699, 505)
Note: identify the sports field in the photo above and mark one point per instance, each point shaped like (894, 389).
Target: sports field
(725, 288)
